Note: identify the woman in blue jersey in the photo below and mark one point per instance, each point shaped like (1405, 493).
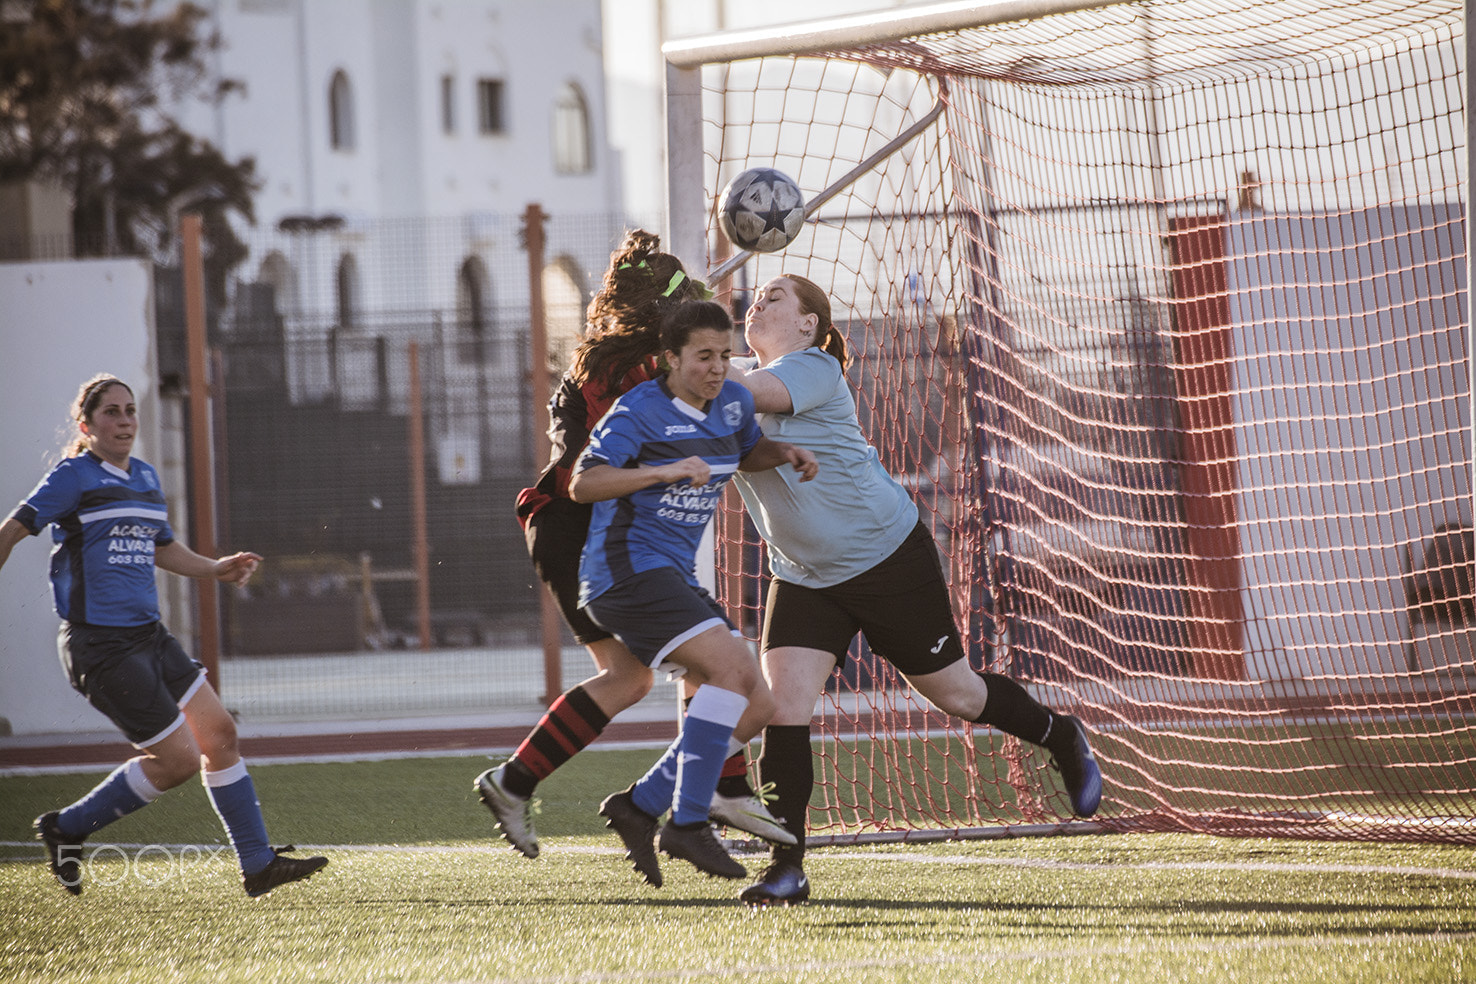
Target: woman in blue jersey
(655, 469)
(848, 554)
(620, 350)
(111, 529)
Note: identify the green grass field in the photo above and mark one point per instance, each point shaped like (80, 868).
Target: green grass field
(419, 889)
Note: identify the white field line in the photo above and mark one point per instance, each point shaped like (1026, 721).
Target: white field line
(1459, 874)
(488, 752)
(798, 971)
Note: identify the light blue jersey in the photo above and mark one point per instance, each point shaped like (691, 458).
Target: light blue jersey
(660, 526)
(853, 515)
(106, 523)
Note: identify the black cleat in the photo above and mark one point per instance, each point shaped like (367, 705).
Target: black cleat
(637, 829)
(782, 883)
(699, 845)
(63, 853)
(281, 871)
(1080, 772)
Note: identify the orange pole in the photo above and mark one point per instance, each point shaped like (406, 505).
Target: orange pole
(202, 488)
(420, 548)
(539, 386)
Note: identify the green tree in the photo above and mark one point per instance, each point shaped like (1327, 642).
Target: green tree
(85, 91)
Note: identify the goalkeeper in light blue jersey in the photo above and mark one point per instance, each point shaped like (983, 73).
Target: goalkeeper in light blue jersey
(849, 555)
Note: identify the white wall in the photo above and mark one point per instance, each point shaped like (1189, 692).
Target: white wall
(61, 323)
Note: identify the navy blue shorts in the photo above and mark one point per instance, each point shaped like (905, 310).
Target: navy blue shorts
(555, 537)
(138, 676)
(901, 604)
(654, 612)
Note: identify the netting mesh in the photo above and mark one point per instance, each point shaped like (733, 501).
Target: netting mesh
(1163, 321)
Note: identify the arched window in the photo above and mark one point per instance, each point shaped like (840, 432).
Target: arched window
(340, 112)
(346, 283)
(563, 305)
(472, 316)
(571, 148)
(276, 271)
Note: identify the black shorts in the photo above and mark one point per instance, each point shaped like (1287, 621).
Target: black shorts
(555, 536)
(901, 604)
(138, 676)
(655, 611)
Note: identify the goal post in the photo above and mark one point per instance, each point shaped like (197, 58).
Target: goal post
(1165, 322)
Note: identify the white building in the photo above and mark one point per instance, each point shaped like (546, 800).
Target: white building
(398, 142)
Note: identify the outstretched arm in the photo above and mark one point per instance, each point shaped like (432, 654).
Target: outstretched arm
(11, 533)
(768, 454)
(176, 558)
(599, 482)
(769, 394)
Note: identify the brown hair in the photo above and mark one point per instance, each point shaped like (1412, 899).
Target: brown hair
(689, 316)
(623, 322)
(813, 300)
(85, 405)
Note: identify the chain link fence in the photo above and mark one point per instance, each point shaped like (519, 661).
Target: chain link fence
(313, 406)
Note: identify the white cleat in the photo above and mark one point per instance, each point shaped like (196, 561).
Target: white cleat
(514, 814)
(750, 814)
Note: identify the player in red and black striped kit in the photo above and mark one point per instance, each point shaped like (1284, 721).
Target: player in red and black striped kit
(619, 351)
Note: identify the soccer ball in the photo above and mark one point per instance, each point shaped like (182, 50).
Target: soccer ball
(762, 209)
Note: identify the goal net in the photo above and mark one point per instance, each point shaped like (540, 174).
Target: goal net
(1160, 310)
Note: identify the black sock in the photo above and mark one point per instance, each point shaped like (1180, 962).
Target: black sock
(518, 779)
(1010, 708)
(734, 787)
(787, 761)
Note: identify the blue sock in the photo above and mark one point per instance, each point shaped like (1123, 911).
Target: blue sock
(703, 747)
(234, 797)
(653, 791)
(126, 789)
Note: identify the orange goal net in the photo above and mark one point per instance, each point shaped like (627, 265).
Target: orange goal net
(1160, 309)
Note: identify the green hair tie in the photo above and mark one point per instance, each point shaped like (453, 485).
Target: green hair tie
(676, 281)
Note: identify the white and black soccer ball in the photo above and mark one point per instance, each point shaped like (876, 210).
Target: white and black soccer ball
(762, 209)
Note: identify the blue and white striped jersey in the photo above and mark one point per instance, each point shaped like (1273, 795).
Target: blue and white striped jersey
(660, 526)
(105, 523)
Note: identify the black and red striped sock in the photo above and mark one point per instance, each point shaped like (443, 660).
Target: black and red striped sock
(571, 722)
(734, 780)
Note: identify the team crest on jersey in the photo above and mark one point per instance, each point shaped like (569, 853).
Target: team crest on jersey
(733, 414)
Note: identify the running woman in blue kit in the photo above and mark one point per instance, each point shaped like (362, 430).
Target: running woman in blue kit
(655, 468)
(111, 529)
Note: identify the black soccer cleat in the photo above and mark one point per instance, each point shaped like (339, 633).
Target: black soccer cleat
(63, 853)
(281, 871)
(781, 883)
(637, 830)
(1079, 771)
(699, 845)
